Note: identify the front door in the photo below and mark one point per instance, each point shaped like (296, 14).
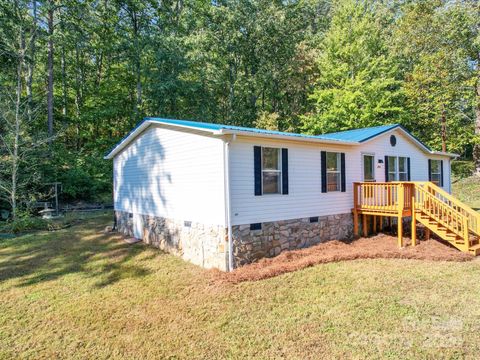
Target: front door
(368, 167)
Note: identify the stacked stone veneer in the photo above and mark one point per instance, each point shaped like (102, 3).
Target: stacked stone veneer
(277, 236)
(207, 246)
(201, 244)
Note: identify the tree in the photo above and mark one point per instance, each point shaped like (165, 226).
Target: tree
(429, 43)
(357, 84)
(18, 169)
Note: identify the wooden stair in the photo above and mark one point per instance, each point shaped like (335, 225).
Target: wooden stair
(447, 217)
(426, 203)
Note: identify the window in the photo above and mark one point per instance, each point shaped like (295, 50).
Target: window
(436, 172)
(333, 171)
(397, 168)
(271, 171)
(392, 168)
(393, 140)
(402, 169)
(368, 168)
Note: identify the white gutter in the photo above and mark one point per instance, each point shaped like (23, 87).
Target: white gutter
(452, 155)
(228, 206)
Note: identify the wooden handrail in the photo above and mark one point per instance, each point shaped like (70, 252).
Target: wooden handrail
(424, 201)
(440, 211)
(472, 215)
(392, 197)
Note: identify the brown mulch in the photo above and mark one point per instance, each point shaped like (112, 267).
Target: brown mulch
(376, 247)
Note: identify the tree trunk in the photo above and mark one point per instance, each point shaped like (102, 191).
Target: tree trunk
(16, 139)
(50, 72)
(444, 130)
(476, 148)
(64, 83)
(137, 62)
(31, 62)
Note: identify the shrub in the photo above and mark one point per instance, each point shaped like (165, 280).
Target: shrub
(462, 168)
(25, 223)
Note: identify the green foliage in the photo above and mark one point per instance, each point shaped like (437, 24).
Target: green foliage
(310, 65)
(429, 41)
(24, 222)
(357, 84)
(462, 169)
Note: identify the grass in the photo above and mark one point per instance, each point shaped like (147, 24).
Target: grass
(78, 293)
(468, 191)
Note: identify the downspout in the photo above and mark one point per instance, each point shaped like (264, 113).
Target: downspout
(228, 206)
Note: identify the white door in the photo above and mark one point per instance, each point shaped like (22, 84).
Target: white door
(369, 167)
(137, 226)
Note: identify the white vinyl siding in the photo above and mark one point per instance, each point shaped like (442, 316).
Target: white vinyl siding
(305, 198)
(172, 174)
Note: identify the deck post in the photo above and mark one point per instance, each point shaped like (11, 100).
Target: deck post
(400, 231)
(365, 225)
(380, 224)
(414, 227)
(355, 223)
(375, 223)
(466, 235)
(356, 231)
(414, 220)
(401, 205)
(427, 233)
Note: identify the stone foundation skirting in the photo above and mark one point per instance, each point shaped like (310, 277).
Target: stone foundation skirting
(207, 245)
(204, 245)
(277, 236)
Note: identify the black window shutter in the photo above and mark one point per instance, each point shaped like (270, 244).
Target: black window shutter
(323, 165)
(386, 168)
(342, 172)
(441, 173)
(409, 177)
(257, 164)
(429, 170)
(285, 171)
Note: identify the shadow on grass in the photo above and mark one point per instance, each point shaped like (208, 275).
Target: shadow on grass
(42, 257)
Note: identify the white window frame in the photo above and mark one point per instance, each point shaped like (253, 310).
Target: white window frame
(439, 174)
(397, 171)
(279, 171)
(406, 168)
(373, 167)
(338, 171)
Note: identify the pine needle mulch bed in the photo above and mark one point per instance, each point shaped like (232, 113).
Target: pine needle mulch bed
(376, 247)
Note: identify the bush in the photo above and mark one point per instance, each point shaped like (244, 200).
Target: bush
(25, 223)
(462, 169)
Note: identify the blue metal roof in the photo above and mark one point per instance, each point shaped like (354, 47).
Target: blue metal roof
(217, 127)
(349, 136)
(361, 135)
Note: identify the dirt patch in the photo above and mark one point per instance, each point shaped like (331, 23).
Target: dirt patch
(379, 246)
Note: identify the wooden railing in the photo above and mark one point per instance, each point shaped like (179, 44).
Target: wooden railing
(397, 198)
(472, 216)
(428, 203)
(388, 197)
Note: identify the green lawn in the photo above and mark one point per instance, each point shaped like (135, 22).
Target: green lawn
(468, 190)
(78, 293)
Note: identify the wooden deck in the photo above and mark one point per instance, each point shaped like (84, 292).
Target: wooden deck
(425, 202)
